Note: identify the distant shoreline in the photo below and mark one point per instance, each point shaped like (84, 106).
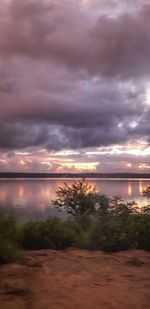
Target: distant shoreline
(75, 175)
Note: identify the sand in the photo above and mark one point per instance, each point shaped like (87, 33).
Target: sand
(72, 279)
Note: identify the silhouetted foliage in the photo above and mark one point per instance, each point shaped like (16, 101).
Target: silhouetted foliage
(78, 198)
(146, 192)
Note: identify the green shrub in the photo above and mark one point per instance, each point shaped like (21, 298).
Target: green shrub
(143, 232)
(83, 240)
(78, 198)
(106, 232)
(109, 235)
(50, 234)
(9, 250)
(8, 227)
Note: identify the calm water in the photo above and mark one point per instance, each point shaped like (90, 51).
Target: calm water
(31, 198)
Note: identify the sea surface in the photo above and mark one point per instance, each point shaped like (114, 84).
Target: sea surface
(32, 199)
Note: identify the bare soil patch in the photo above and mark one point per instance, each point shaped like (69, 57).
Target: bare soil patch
(74, 278)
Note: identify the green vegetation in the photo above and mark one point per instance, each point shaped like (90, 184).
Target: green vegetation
(79, 198)
(9, 249)
(52, 233)
(102, 232)
(96, 223)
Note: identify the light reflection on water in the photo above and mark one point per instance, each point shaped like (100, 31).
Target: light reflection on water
(31, 198)
(129, 188)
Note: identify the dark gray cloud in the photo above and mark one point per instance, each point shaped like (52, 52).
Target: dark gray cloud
(17, 135)
(68, 36)
(73, 76)
(88, 113)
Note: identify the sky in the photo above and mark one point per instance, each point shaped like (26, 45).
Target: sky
(75, 86)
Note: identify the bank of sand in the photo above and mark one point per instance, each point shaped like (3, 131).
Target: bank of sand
(74, 279)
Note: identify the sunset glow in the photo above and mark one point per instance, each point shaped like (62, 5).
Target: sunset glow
(91, 166)
(147, 98)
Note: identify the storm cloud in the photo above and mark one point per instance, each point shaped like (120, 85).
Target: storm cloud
(73, 74)
(69, 36)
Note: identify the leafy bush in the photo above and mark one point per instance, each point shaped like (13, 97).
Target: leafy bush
(109, 234)
(50, 234)
(8, 226)
(143, 231)
(78, 198)
(9, 249)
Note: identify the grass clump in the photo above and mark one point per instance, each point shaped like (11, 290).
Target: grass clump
(134, 261)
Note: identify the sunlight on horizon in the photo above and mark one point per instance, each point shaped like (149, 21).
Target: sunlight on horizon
(147, 97)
